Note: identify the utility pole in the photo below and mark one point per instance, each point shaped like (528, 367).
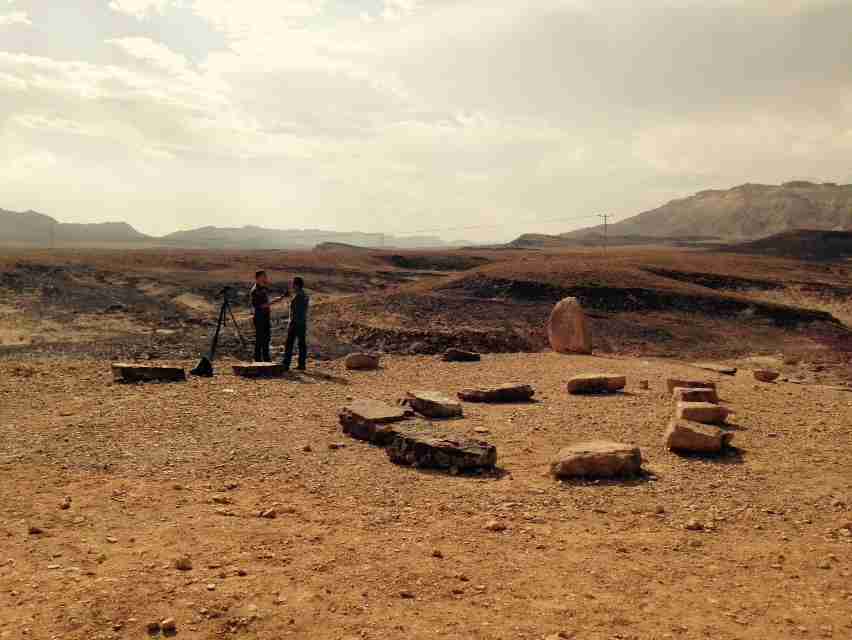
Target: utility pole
(605, 217)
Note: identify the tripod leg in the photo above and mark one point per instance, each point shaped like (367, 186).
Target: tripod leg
(236, 326)
(219, 323)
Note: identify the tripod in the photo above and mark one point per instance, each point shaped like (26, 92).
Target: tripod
(205, 365)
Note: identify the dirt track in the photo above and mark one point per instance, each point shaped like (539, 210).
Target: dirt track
(364, 549)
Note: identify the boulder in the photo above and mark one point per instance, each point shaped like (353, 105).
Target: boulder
(433, 404)
(423, 448)
(499, 393)
(259, 370)
(722, 369)
(596, 383)
(362, 361)
(567, 328)
(460, 355)
(766, 375)
(703, 412)
(695, 395)
(371, 420)
(597, 459)
(673, 383)
(695, 437)
(125, 372)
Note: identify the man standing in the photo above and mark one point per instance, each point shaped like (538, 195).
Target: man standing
(262, 317)
(298, 327)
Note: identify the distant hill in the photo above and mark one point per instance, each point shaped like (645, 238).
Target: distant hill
(593, 239)
(31, 227)
(338, 246)
(747, 212)
(802, 244)
(251, 237)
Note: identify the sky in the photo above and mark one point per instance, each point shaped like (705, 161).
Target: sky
(474, 119)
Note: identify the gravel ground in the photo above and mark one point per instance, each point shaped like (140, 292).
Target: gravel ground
(361, 548)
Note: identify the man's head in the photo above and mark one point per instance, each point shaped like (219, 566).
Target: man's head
(298, 283)
(261, 278)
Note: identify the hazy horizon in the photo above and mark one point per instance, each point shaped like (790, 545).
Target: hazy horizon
(408, 116)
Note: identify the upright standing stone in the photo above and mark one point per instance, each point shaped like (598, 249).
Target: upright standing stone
(567, 328)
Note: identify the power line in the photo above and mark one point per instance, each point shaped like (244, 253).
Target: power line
(605, 217)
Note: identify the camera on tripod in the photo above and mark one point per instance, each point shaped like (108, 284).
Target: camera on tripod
(226, 314)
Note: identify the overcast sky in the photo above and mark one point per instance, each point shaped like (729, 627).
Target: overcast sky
(408, 115)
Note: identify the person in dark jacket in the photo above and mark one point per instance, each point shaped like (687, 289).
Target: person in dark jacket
(261, 305)
(298, 327)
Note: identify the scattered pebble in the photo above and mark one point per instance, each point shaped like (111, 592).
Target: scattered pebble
(183, 563)
(495, 526)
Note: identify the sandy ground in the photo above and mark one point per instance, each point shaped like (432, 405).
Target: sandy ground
(361, 548)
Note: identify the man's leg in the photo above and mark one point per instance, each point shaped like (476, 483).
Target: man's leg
(258, 340)
(288, 348)
(267, 338)
(303, 347)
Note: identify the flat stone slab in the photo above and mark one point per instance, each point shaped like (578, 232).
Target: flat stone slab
(695, 395)
(597, 459)
(423, 448)
(766, 375)
(673, 383)
(362, 361)
(372, 420)
(596, 383)
(127, 372)
(695, 437)
(259, 370)
(433, 404)
(460, 355)
(499, 393)
(722, 369)
(703, 412)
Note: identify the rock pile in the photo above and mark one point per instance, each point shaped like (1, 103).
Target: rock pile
(696, 413)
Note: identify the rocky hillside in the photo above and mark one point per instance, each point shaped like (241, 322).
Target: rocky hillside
(747, 212)
(33, 228)
(805, 245)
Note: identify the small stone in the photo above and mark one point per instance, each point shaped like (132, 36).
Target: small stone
(168, 625)
(495, 525)
(824, 564)
(408, 595)
(362, 362)
(270, 514)
(111, 539)
(66, 503)
(437, 554)
(336, 445)
(34, 530)
(644, 385)
(766, 375)
(307, 448)
(694, 525)
(183, 563)
(211, 586)
(153, 628)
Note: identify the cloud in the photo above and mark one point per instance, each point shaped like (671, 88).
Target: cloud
(140, 8)
(155, 53)
(14, 18)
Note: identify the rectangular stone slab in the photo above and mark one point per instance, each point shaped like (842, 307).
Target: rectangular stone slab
(127, 372)
(596, 383)
(673, 383)
(597, 459)
(371, 420)
(433, 404)
(425, 448)
(704, 412)
(695, 395)
(695, 437)
(259, 370)
(460, 355)
(499, 393)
